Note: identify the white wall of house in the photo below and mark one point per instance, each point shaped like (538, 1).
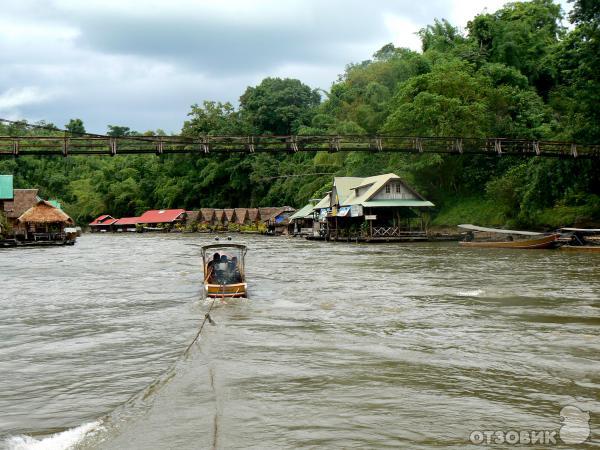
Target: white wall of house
(395, 190)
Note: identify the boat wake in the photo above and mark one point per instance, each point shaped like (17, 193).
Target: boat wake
(63, 440)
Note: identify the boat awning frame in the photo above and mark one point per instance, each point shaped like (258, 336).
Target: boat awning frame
(498, 230)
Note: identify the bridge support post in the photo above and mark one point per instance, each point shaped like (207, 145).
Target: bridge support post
(112, 143)
(65, 147)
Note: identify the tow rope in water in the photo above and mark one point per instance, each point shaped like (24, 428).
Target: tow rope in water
(207, 318)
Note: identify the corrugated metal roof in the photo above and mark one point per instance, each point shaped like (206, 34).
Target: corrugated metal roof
(343, 187)
(161, 215)
(128, 221)
(303, 213)
(323, 204)
(407, 203)
(6, 187)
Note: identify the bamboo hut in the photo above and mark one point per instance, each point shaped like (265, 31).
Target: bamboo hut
(229, 216)
(219, 218)
(253, 215)
(241, 216)
(207, 216)
(44, 222)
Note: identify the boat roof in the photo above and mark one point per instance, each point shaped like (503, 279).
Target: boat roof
(582, 230)
(223, 245)
(498, 230)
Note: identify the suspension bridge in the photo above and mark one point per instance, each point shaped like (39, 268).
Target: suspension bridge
(97, 145)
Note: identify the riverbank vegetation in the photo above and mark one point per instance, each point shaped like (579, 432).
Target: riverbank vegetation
(518, 72)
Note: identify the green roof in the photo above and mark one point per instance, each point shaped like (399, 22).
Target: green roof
(303, 213)
(407, 203)
(6, 187)
(55, 203)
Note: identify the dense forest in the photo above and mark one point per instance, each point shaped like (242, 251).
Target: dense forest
(523, 71)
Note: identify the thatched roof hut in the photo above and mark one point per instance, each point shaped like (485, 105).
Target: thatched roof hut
(230, 215)
(253, 215)
(241, 216)
(193, 216)
(23, 199)
(207, 215)
(219, 216)
(44, 213)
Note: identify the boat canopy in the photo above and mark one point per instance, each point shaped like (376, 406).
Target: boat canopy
(582, 230)
(498, 230)
(223, 246)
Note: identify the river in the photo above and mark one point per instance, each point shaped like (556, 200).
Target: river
(340, 345)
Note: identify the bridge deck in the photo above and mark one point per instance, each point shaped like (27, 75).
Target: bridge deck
(13, 146)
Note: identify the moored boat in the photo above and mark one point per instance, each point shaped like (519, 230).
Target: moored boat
(580, 239)
(484, 237)
(224, 270)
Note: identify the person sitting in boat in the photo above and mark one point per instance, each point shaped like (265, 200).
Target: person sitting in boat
(211, 266)
(234, 271)
(221, 270)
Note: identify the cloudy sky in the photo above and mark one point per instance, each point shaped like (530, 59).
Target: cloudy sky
(142, 63)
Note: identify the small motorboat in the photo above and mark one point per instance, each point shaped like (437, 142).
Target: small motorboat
(580, 239)
(224, 270)
(511, 239)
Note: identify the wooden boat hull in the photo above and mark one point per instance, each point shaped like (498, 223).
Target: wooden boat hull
(581, 248)
(236, 290)
(525, 244)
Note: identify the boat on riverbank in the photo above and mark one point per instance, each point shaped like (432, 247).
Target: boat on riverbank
(484, 237)
(580, 239)
(224, 270)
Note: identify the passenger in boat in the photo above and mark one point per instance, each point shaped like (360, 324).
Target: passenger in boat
(211, 266)
(221, 270)
(234, 271)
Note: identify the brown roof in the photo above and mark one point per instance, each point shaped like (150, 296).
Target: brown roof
(266, 214)
(207, 214)
(219, 213)
(230, 214)
(44, 212)
(22, 201)
(253, 214)
(193, 216)
(241, 215)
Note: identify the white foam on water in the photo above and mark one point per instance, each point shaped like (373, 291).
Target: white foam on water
(58, 441)
(472, 293)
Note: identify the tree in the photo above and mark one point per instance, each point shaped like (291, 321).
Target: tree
(75, 126)
(118, 131)
(279, 106)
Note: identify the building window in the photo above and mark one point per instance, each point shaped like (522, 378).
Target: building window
(398, 189)
(387, 188)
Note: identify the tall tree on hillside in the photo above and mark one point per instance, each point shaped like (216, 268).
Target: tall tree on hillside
(279, 106)
(75, 126)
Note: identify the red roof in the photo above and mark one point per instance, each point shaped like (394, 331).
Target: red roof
(103, 220)
(128, 221)
(161, 215)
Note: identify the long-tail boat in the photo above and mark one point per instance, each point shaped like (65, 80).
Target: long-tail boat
(580, 239)
(512, 239)
(224, 270)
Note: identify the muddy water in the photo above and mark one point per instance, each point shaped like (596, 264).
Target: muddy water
(341, 345)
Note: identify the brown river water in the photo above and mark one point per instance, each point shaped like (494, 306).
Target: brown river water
(340, 345)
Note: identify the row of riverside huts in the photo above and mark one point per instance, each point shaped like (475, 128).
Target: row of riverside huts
(273, 220)
(27, 218)
(377, 208)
